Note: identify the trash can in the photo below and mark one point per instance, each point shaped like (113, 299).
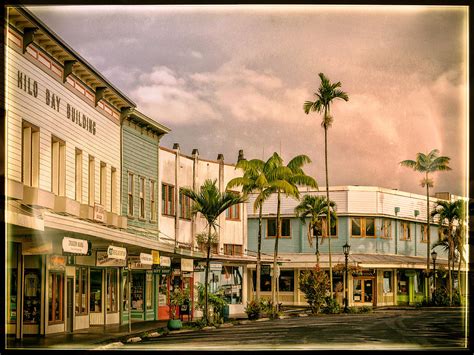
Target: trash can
(226, 313)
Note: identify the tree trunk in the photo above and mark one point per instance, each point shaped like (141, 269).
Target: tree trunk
(328, 212)
(317, 250)
(275, 256)
(428, 239)
(206, 282)
(450, 261)
(259, 247)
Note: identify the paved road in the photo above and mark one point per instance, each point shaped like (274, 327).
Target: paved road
(413, 329)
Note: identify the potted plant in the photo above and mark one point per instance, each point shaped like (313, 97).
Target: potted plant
(178, 297)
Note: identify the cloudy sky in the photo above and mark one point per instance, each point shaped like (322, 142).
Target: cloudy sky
(236, 77)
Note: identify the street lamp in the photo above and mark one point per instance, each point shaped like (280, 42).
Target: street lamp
(346, 248)
(433, 256)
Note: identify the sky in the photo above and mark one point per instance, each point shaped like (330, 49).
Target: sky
(225, 78)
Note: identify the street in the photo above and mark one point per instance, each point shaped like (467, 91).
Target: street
(394, 329)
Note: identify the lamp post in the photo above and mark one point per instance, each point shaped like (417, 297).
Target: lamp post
(433, 256)
(346, 248)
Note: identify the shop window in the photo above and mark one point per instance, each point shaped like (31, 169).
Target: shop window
(325, 228)
(55, 297)
(362, 227)
(113, 190)
(231, 282)
(112, 297)
(91, 180)
(141, 204)
(406, 231)
(103, 184)
(12, 285)
(167, 199)
(272, 228)
(387, 282)
(265, 281)
(184, 206)
(78, 166)
(402, 284)
(125, 290)
(362, 290)
(58, 166)
(32, 300)
(232, 249)
(95, 291)
(130, 194)
(152, 201)
(386, 229)
(137, 291)
(418, 282)
(81, 291)
(30, 155)
(149, 291)
(286, 281)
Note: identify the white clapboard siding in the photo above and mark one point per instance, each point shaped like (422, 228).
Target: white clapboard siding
(104, 145)
(362, 201)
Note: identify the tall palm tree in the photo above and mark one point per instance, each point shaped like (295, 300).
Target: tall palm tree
(210, 202)
(426, 164)
(315, 207)
(326, 94)
(450, 215)
(285, 179)
(254, 180)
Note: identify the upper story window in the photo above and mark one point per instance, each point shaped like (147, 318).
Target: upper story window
(325, 228)
(130, 194)
(30, 154)
(424, 233)
(386, 229)
(214, 248)
(142, 198)
(152, 200)
(272, 228)
(232, 249)
(184, 206)
(363, 227)
(405, 231)
(167, 199)
(78, 172)
(233, 212)
(58, 166)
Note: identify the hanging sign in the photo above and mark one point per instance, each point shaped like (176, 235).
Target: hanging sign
(187, 265)
(165, 261)
(114, 252)
(104, 260)
(99, 213)
(57, 262)
(37, 248)
(215, 267)
(146, 259)
(135, 263)
(156, 257)
(75, 246)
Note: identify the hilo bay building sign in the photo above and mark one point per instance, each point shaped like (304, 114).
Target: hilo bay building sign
(53, 100)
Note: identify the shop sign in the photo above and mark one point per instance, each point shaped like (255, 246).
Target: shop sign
(135, 263)
(146, 259)
(156, 257)
(57, 262)
(99, 213)
(215, 267)
(37, 248)
(114, 252)
(165, 261)
(75, 246)
(199, 268)
(187, 265)
(165, 271)
(104, 260)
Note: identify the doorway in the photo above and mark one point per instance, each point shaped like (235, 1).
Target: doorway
(70, 304)
(363, 291)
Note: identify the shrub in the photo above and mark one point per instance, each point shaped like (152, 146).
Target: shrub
(314, 284)
(266, 306)
(253, 309)
(365, 309)
(216, 303)
(332, 306)
(353, 310)
(440, 297)
(456, 298)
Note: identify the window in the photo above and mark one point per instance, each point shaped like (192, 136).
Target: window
(130, 194)
(333, 228)
(103, 184)
(58, 167)
(113, 190)
(184, 206)
(406, 235)
(96, 291)
(214, 248)
(265, 280)
(78, 175)
(387, 229)
(233, 212)
(55, 297)
(141, 206)
(152, 201)
(387, 282)
(232, 249)
(30, 155)
(424, 233)
(112, 297)
(81, 291)
(91, 180)
(402, 283)
(32, 297)
(286, 281)
(137, 291)
(167, 199)
(272, 228)
(125, 290)
(362, 227)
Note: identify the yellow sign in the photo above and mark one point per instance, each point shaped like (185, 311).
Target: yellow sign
(156, 257)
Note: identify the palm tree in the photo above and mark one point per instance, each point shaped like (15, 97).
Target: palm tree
(210, 202)
(315, 207)
(254, 180)
(449, 214)
(285, 179)
(428, 163)
(327, 92)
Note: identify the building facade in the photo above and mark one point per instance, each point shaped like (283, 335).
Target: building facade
(386, 231)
